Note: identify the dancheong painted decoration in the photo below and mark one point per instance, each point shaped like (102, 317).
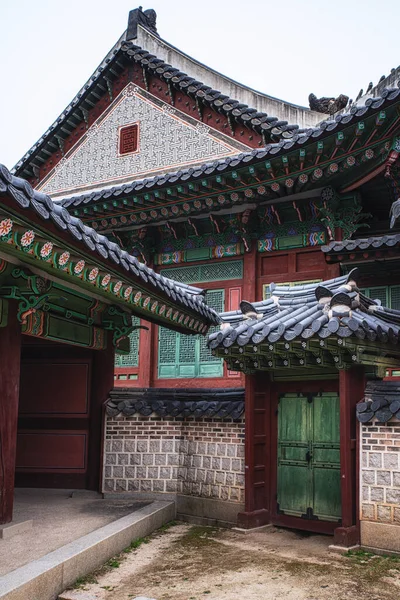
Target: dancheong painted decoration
(221, 288)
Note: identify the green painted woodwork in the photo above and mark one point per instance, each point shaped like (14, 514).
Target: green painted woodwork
(211, 271)
(309, 456)
(3, 313)
(197, 254)
(182, 355)
(389, 295)
(132, 358)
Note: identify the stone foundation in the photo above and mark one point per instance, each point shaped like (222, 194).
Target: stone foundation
(197, 459)
(380, 484)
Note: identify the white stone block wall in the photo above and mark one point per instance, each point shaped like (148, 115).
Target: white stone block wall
(380, 472)
(201, 457)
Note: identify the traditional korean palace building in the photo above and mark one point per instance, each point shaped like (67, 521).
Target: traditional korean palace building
(178, 179)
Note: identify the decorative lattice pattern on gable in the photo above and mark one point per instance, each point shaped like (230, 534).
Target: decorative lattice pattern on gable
(182, 355)
(131, 359)
(212, 271)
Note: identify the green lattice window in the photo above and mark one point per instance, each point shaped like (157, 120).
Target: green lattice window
(182, 355)
(212, 271)
(389, 295)
(131, 359)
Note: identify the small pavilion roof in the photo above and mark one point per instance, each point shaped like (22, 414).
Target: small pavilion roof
(91, 258)
(331, 315)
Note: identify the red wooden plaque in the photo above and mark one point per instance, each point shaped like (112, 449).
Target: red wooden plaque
(128, 139)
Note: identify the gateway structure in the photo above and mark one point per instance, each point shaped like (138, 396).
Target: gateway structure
(213, 184)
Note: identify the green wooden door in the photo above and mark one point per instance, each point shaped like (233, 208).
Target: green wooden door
(309, 456)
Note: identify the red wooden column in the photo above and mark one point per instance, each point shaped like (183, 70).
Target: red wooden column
(147, 352)
(10, 353)
(250, 274)
(102, 382)
(146, 361)
(351, 390)
(257, 451)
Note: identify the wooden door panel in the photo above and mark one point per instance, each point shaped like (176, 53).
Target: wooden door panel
(55, 451)
(54, 419)
(327, 494)
(326, 457)
(293, 446)
(54, 387)
(309, 456)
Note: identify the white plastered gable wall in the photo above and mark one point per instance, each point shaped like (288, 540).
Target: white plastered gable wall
(168, 140)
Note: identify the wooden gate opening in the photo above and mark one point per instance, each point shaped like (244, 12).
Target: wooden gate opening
(59, 418)
(309, 456)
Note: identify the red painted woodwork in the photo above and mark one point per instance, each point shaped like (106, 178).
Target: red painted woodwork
(54, 398)
(61, 429)
(351, 391)
(102, 382)
(261, 445)
(297, 264)
(10, 352)
(274, 264)
(310, 261)
(257, 451)
(129, 139)
(55, 420)
(159, 89)
(52, 450)
(250, 275)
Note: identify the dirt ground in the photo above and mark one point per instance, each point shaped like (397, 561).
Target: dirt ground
(186, 562)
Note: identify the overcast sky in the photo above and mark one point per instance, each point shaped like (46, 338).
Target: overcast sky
(285, 48)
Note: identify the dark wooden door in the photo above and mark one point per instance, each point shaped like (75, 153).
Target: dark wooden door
(54, 423)
(309, 456)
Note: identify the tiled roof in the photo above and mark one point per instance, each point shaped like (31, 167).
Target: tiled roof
(220, 403)
(299, 139)
(123, 54)
(381, 402)
(320, 310)
(378, 241)
(27, 199)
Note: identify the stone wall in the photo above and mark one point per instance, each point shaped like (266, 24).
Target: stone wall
(380, 485)
(198, 457)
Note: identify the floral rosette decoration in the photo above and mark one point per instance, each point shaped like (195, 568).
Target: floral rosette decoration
(80, 265)
(117, 287)
(64, 258)
(46, 250)
(106, 280)
(154, 306)
(6, 226)
(127, 293)
(93, 274)
(27, 239)
(146, 302)
(137, 297)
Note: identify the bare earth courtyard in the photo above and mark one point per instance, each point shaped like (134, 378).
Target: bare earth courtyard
(185, 562)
